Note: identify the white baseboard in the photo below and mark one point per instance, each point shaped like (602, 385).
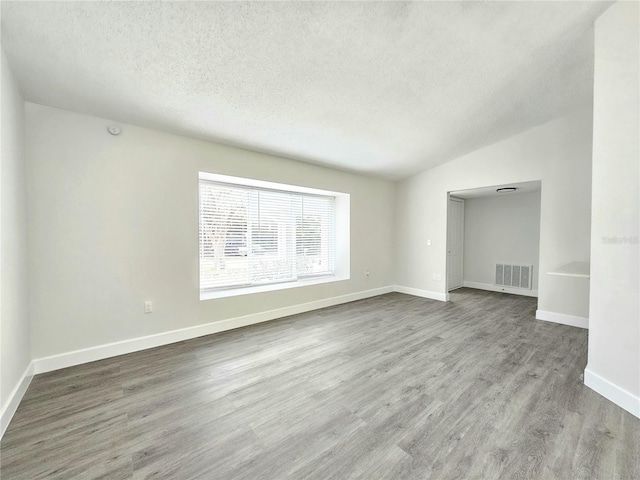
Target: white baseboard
(611, 391)
(443, 297)
(85, 355)
(494, 288)
(563, 318)
(15, 398)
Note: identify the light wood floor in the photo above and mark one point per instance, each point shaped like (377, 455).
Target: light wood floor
(390, 387)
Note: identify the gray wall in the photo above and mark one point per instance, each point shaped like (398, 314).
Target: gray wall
(503, 228)
(614, 323)
(14, 309)
(557, 153)
(114, 222)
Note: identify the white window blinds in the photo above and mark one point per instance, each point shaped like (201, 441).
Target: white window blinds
(254, 236)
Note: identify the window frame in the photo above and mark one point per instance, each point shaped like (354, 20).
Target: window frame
(341, 238)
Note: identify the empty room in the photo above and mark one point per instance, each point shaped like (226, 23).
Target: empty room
(320, 240)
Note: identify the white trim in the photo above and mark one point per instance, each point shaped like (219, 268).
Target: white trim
(613, 392)
(15, 398)
(563, 318)
(498, 288)
(272, 287)
(442, 297)
(100, 352)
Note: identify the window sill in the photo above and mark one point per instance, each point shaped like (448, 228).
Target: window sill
(234, 292)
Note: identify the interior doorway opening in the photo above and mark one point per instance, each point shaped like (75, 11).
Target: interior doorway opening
(493, 238)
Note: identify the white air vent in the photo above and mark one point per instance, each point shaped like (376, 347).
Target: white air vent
(515, 276)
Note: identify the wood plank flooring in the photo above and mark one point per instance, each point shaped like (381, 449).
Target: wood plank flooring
(392, 387)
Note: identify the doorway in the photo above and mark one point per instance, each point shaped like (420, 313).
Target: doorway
(493, 238)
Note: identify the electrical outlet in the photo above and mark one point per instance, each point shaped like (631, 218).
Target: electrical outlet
(428, 242)
(148, 307)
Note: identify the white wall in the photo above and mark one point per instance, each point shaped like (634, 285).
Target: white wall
(114, 222)
(503, 228)
(614, 337)
(559, 154)
(14, 314)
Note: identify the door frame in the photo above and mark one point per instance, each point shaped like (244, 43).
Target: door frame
(459, 200)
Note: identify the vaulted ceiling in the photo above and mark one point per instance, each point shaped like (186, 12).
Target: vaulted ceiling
(384, 88)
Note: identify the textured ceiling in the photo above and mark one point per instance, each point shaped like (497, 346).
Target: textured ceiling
(385, 88)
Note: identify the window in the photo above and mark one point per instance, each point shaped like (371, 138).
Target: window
(255, 234)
